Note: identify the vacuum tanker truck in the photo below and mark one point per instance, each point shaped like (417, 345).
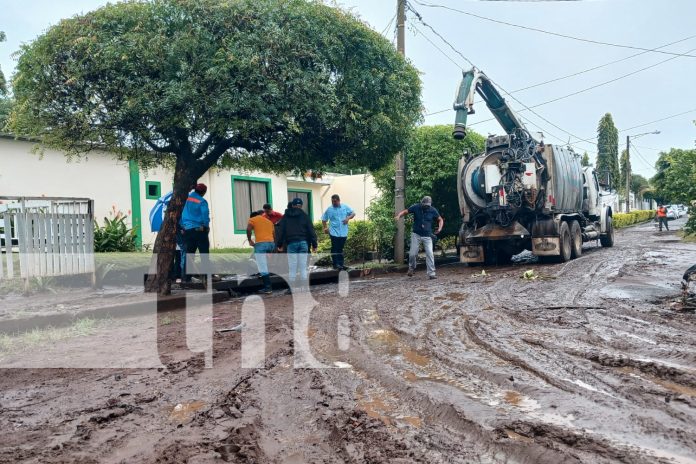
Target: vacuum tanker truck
(521, 193)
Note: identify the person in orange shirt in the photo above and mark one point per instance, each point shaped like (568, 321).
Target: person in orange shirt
(263, 243)
(662, 216)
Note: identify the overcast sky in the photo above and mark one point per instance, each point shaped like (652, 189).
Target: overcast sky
(516, 58)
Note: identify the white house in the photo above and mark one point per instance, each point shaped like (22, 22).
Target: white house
(232, 194)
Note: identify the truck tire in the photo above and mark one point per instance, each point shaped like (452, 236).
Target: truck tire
(503, 256)
(607, 240)
(576, 239)
(566, 243)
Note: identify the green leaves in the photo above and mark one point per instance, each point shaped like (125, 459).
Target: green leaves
(114, 236)
(432, 157)
(608, 149)
(276, 84)
(675, 181)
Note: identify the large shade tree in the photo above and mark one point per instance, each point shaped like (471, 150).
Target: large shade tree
(675, 180)
(273, 85)
(608, 149)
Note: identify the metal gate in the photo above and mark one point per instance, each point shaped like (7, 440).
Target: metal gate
(42, 236)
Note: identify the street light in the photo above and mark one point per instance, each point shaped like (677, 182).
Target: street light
(628, 164)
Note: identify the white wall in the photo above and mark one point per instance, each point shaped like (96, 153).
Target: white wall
(107, 181)
(357, 191)
(97, 176)
(219, 198)
(319, 198)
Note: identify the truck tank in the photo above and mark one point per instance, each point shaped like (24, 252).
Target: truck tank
(504, 183)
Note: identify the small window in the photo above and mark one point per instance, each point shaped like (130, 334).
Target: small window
(153, 190)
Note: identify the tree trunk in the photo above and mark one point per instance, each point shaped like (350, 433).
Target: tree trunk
(165, 244)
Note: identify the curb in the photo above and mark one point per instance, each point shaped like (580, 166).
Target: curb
(222, 291)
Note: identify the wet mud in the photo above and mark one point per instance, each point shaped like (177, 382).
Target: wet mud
(590, 363)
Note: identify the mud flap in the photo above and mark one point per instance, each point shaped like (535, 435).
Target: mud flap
(546, 246)
(471, 254)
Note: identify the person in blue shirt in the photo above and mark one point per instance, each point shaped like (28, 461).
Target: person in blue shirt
(195, 225)
(423, 216)
(337, 216)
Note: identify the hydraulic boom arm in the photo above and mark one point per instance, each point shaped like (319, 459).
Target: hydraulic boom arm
(476, 81)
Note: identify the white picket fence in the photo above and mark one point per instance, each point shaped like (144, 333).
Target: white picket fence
(46, 237)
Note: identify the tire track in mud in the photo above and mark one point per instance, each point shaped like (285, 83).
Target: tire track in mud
(445, 412)
(496, 298)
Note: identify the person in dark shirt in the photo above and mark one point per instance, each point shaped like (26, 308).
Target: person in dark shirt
(423, 216)
(296, 235)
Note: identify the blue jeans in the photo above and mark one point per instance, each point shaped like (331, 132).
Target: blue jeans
(260, 251)
(297, 258)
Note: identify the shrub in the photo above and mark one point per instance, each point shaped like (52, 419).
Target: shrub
(634, 217)
(115, 235)
(360, 241)
(690, 226)
(446, 243)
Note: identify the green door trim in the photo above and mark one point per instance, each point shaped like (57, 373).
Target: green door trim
(269, 196)
(136, 215)
(310, 206)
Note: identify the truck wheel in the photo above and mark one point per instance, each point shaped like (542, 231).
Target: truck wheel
(607, 240)
(566, 243)
(503, 256)
(576, 238)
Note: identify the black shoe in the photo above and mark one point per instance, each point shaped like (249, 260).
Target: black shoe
(266, 291)
(432, 277)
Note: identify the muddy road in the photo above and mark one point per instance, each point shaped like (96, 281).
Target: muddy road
(589, 362)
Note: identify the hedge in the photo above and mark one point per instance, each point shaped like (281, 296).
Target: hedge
(634, 217)
(361, 240)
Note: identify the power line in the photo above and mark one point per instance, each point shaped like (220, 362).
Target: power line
(658, 120)
(389, 25)
(443, 53)
(587, 70)
(648, 148)
(557, 34)
(601, 65)
(640, 156)
(420, 18)
(651, 122)
(607, 82)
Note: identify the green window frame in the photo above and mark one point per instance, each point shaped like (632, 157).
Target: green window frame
(310, 200)
(148, 185)
(235, 208)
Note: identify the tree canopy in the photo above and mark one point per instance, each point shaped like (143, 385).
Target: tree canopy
(639, 184)
(432, 157)
(608, 149)
(625, 166)
(269, 84)
(675, 180)
(585, 161)
(273, 85)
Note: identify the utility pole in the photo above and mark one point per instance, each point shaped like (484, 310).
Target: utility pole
(628, 172)
(399, 162)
